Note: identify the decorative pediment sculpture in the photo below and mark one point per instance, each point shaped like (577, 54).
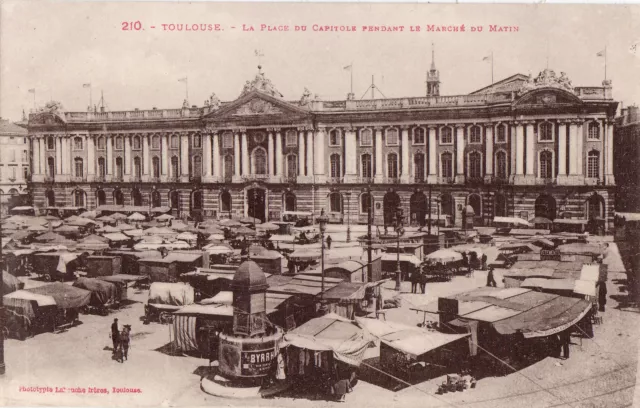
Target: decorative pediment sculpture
(258, 107)
(547, 79)
(54, 107)
(262, 84)
(185, 104)
(214, 101)
(306, 97)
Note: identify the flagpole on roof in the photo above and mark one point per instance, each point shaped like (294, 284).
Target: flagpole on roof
(605, 62)
(491, 68)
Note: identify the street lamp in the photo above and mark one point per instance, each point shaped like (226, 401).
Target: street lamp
(322, 222)
(399, 231)
(348, 195)
(438, 201)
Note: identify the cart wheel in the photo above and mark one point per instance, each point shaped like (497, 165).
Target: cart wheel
(47, 277)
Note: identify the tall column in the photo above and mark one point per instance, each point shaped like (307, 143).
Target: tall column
(562, 151)
(432, 178)
(379, 173)
(270, 154)
(278, 153)
(460, 154)
(519, 152)
(580, 145)
(512, 152)
(91, 158)
(309, 153)
(608, 146)
(184, 157)
(165, 157)
(405, 175)
(530, 154)
(217, 159)
(573, 149)
(351, 168)
(36, 156)
(245, 155)
(58, 141)
(301, 153)
(489, 154)
(319, 159)
(109, 142)
(43, 159)
(236, 156)
(146, 160)
(207, 164)
(127, 157)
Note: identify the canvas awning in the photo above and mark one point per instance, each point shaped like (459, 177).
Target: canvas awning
(511, 220)
(66, 296)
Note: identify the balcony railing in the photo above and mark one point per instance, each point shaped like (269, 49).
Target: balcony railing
(545, 181)
(100, 178)
(445, 180)
(49, 178)
(195, 179)
(335, 180)
(78, 179)
(290, 179)
(394, 180)
(500, 181)
(155, 179)
(255, 177)
(364, 180)
(419, 179)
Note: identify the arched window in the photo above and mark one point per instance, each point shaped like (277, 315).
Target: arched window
(196, 200)
(419, 136)
(136, 197)
(336, 167)
(365, 203)
(175, 142)
(175, 170)
(500, 206)
(228, 165)
(501, 164)
(197, 166)
(102, 167)
(101, 197)
(155, 142)
(446, 135)
(289, 201)
(119, 168)
(392, 165)
(174, 199)
(259, 161)
(101, 143)
(225, 201)
(51, 166)
(292, 165)
(594, 131)
(119, 143)
(501, 133)
(418, 167)
(137, 167)
(475, 135)
(475, 165)
(366, 165)
(118, 197)
(545, 132)
(446, 164)
(78, 166)
(155, 162)
(51, 198)
(593, 164)
(546, 164)
(335, 202)
(77, 143)
(137, 145)
(335, 138)
(51, 143)
(475, 202)
(155, 199)
(366, 137)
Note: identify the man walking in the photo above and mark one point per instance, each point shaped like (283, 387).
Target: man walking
(329, 241)
(115, 335)
(491, 282)
(602, 296)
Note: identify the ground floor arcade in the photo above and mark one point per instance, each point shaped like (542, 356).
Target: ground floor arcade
(347, 203)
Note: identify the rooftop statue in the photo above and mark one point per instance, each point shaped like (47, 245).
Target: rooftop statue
(52, 107)
(214, 101)
(262, 84)
(547, 79)
(306, 97)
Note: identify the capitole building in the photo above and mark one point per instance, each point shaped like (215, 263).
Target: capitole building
(524, 146)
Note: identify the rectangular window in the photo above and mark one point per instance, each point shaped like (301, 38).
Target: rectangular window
(501, 134)
(446, 136)
(197, 141)
(419, 136)
(155, 142)
(366, 138)
(475, 135)
(392, 137)
(335, 138)
(291, 139)
(446, 162)
(175, 142)
(227, 141)
(545, 132)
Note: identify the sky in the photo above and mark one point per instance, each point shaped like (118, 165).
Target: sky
(56, 47)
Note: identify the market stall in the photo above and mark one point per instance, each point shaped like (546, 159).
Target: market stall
(104, 295)
(166, 298)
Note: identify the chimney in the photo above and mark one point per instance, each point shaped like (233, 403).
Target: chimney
(633, 114)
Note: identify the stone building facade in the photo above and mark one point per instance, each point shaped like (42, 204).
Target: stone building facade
(14, 160)
(521, 147)
(626, 153)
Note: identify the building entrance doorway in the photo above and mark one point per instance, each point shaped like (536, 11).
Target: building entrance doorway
(256, 203)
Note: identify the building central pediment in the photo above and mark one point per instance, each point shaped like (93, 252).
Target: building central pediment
(256, 105)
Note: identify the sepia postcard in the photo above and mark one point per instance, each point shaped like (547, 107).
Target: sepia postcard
(314, 204)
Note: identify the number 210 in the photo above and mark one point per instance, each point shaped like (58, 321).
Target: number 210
(131, 25)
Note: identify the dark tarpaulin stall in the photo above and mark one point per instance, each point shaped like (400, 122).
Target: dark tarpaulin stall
(102, 292)
(66, 296)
